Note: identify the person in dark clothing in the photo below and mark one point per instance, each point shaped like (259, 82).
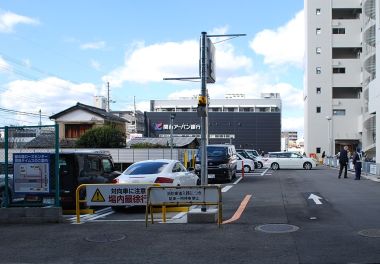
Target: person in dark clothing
(357, 161)
(343, 160)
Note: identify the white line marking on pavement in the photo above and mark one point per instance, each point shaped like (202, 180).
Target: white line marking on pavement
(99, 216)
(226, 188)
(180, 215)
(262, 174)
(237, 181)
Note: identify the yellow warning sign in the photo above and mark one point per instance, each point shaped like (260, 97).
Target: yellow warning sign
(98, 197)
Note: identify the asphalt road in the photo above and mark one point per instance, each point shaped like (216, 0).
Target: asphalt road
(328, 228)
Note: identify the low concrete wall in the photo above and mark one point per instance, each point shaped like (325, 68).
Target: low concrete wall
(29, 215)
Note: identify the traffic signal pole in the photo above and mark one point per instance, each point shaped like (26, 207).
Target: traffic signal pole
(203, 98)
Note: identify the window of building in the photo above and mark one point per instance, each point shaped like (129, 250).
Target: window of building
(318, 90)
(339, 31)
(318, 150)
(318, 11)
(318, 31)
(318, 50)
(318, 109)
(231, 109)
(76, 130)
(339, 70)
(318, 70)
(339, 112)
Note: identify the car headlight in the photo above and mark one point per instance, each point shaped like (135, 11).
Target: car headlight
(197, 167)
(223, 166)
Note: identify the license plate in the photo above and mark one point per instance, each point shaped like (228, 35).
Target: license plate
(211, 176)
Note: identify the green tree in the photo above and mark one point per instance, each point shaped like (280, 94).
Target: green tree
(102, 137)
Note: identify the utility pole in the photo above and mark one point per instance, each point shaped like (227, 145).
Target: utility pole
(108, 96)
(134, 113)
(40, 123)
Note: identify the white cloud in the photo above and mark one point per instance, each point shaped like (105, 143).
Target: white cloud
(4, 66)
(93, 45)
(95, 64)
(51, 95)
(293, 124)
(284, 45)
(152, 63)
(9, 20)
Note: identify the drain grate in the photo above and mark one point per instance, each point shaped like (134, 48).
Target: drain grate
(370, 232)
(105, 238)
(277, 228)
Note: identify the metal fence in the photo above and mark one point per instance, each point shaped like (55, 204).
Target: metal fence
(122, 155)
(370, 168)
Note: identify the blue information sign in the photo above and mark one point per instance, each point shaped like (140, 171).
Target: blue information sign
(31, 173)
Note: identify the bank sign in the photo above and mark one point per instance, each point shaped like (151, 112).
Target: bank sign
(183, 126)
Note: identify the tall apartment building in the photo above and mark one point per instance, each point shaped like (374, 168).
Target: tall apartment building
(341, 95)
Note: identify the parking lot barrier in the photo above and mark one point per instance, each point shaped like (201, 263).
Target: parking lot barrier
(242, 168)
(111, 194)
(206, 195)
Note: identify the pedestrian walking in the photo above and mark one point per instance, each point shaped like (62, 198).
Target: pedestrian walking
(357, 161)
(343, 160)
(323, 157)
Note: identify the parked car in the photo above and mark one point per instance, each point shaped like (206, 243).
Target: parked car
(248, 155)
(288, 160)
(253, 152)
(164, 172)
(249, 165)
(221, 162)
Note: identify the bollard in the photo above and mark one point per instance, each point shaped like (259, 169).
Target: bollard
(242, 168)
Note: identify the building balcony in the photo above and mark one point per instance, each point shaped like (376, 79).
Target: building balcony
(369, 8)
(352, 36)
(369, 132)
(369, 36)
(370, 64)
(352, 73)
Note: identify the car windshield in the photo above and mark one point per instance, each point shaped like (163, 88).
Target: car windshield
(253, 152)
(145, 168)
(216, 152)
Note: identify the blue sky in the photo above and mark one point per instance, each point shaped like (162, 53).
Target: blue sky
(56, 53)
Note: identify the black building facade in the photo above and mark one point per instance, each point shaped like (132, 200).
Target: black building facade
(248, 130)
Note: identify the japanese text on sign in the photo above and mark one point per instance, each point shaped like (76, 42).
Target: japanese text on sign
(31, 172)
(119, 194)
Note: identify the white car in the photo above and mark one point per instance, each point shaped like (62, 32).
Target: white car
(163, 172)
(249, 165)
(288, 160)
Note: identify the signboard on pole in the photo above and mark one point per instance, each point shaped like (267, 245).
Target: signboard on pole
(31, 173)
(116, 194)
(210, 51)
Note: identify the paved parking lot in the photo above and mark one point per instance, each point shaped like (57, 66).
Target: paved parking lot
(292, 216)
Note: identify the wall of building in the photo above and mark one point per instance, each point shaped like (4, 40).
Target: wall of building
(324, 128)
(246, 129)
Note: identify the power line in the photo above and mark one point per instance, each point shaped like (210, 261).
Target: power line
(22, 113)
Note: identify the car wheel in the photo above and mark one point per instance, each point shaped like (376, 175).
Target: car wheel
(275, 166)
(307, 166)
(259, 165)
(247, 168)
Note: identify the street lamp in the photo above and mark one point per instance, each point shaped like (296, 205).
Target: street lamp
(172, 116)
(329, 119)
